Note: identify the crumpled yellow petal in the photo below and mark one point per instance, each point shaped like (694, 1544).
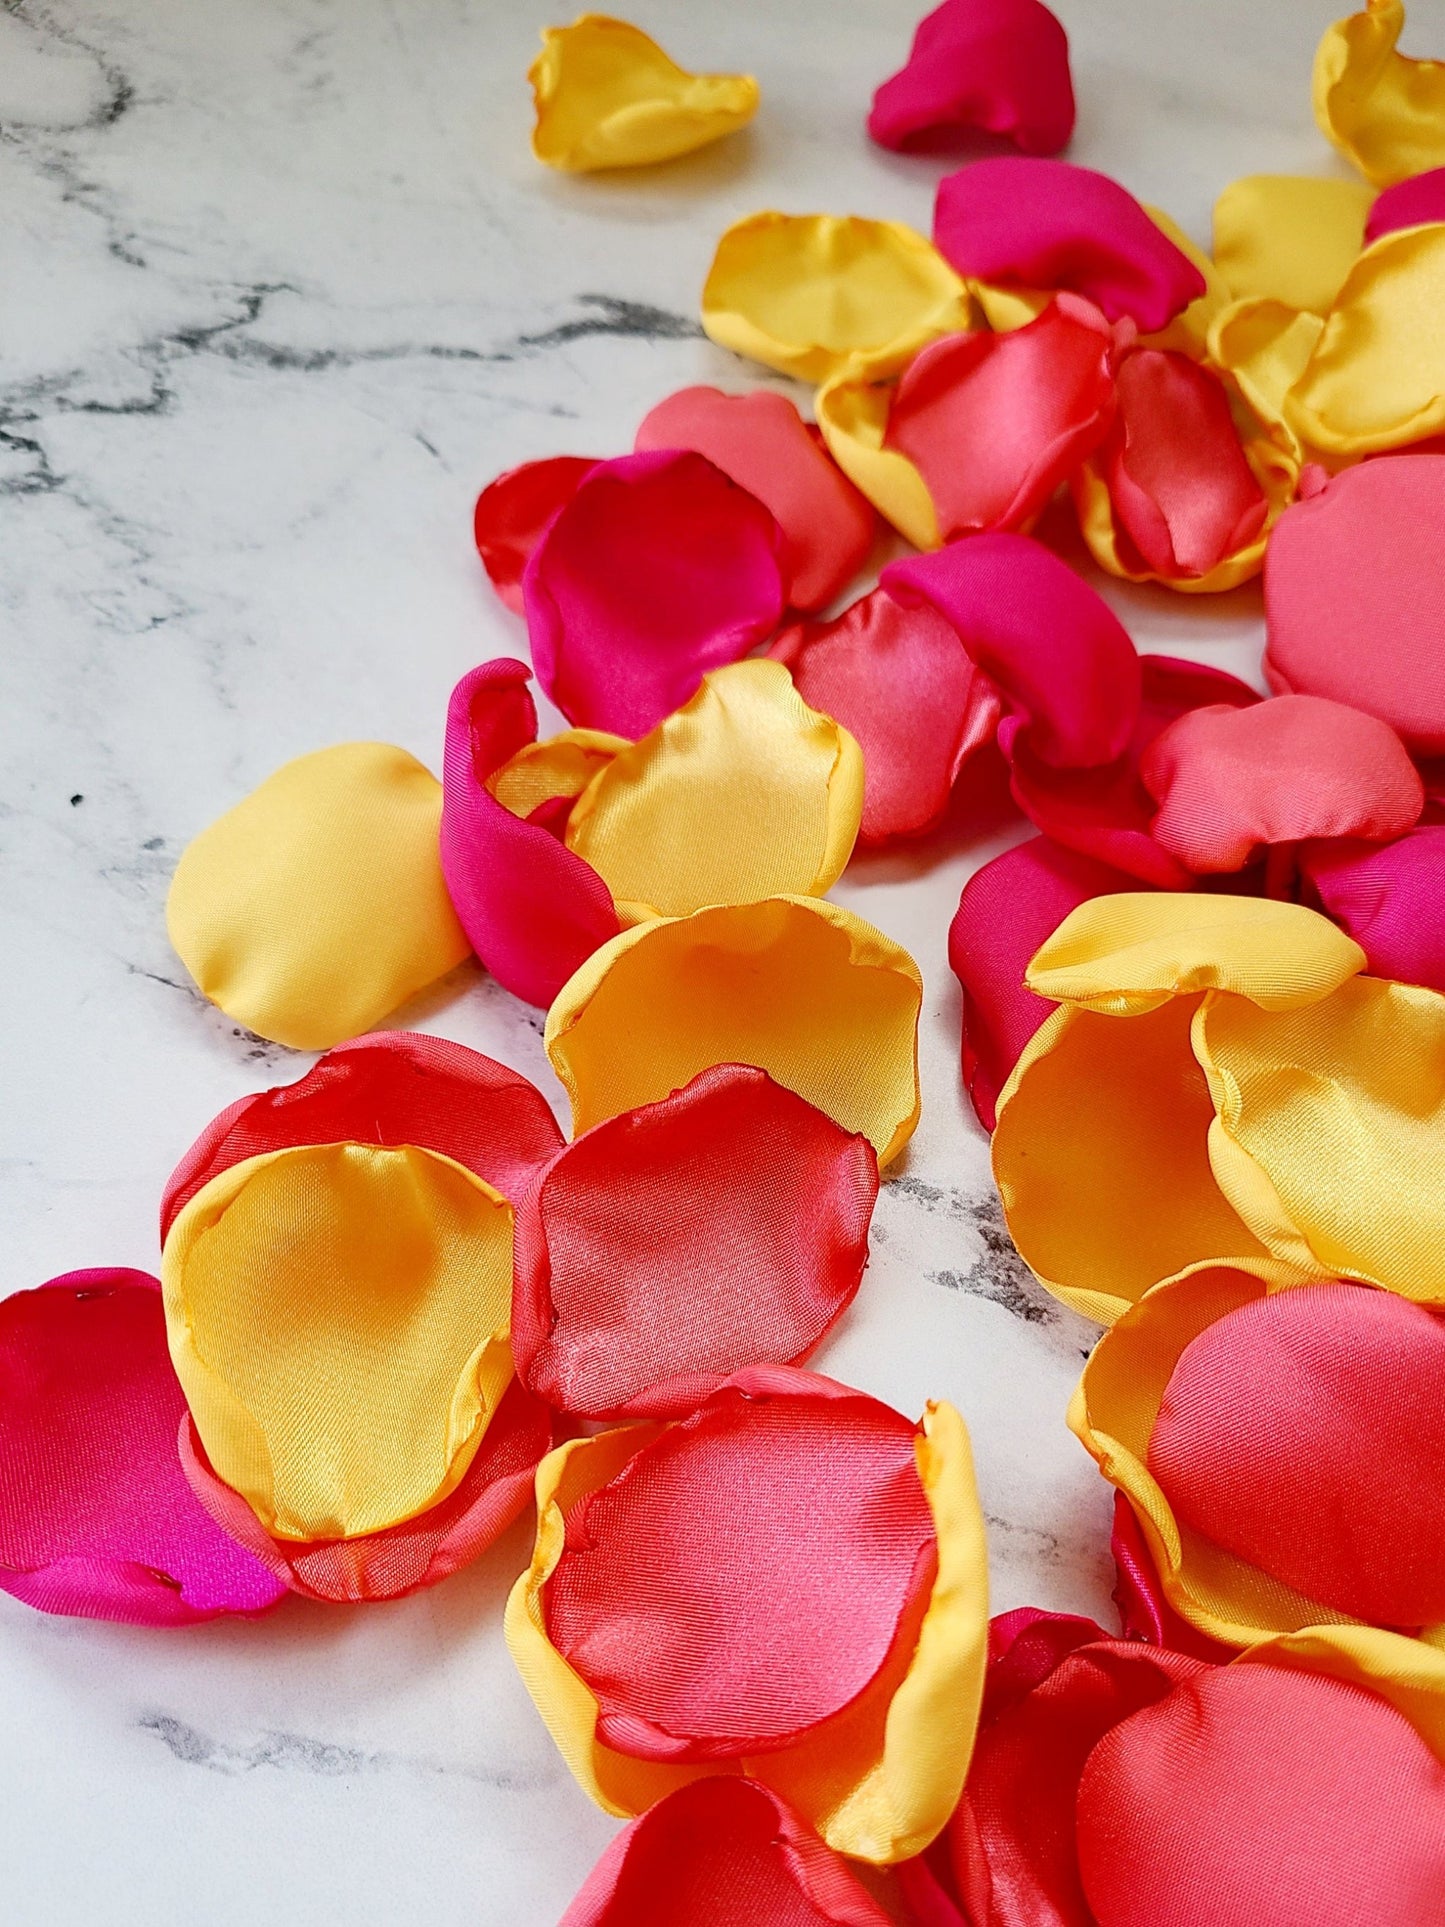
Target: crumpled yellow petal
(558, 766)
(1289, 238)
(822, 1001)
(1376, 378)
(852, 413)
(608, 96)
(1382, 110)
(744, 793)
(879, 1780)
(1264, 347)
(815, 294)
(316, 906)
(338, 1316)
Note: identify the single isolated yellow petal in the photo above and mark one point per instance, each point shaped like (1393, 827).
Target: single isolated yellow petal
(744, 793)
(815, 294)
(822, 1001)
(1386, 112)
(1288, 238)
(1264, 347)
(608, 96)
(1376, 378)
(338, 1316)
(559, 766)
(853, 416)
(316, 906)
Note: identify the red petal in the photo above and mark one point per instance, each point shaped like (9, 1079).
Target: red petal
(1000, 66)
(1144, 1612)
(512, 515)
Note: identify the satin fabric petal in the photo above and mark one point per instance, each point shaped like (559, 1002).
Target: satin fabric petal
(394, 1087)
(805, 990)
(1031, 223)
(755, 1209)
(990, 66)
(1144, 1611)
(1353, 599)
(744, 793)
(1264, 347)
(1383, 111)
(512, 514)
(1290, 238)
(96, 1518)
(532, 910)
(1415, 202)
(1390, 898)
(316, 906)
(606, 95)
(713, 1848)
(852, 408)
(901, 683)
(541, 781)
(337, 1315)
(658, 569)
(764, 445)
(814, 294)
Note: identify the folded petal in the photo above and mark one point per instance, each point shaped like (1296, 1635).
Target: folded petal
(744, 793)
(822, 1001)
(316, 906)
(810, 294)
(1385, 112)
(1230, 782)
(532, 910)
(96, 1518)
(1290, 238)
(512, 514)
(764, 445)
(608, 96)
(1390, 898)
(1416, 202)
(657, 570)
(1349, 596)
(990, 66)
(901, 683)
(1264, 347)
(413, 1554)
(754, 1211)
(853, 410)
(338, 1318)
(1048, 224)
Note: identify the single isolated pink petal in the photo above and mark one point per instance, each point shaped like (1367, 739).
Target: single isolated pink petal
(763, 444)
(1231, 781)
(901, 682)
(512, 514)
(532, 909)
(658, 569)
(1418, 201)
(994, 423)
(985, 66)
(1390, 897)
(96, 1518)
(1048, 224)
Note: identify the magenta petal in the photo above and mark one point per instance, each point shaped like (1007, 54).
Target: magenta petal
(1390, 898)
(532, 909)
(512, 514)
(1057, 652)
(1416, 202)
(96, 1517)
(1048, 224)
(997, 66)
(658, 569)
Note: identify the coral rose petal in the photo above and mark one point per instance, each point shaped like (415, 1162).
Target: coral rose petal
(1383, 110)
(513, 512)
(1391, 899)
(990, 66)
(1416, 202)
(1290, 238)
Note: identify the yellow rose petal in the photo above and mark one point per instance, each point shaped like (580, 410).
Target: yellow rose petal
(316, 906)
(559, 766)
(1386, 112)
(853, 416)
(1288, 238)
(608, 96)
(1264, 347)
(1189, 332)
(822, 1001)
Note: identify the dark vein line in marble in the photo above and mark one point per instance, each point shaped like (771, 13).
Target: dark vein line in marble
(614, 316)
(299, 1753)
(999, 1274)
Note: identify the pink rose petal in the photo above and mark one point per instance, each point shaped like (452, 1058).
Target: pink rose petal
(512, 514)
(1417, 201)
(1390, 897)
(993, 66)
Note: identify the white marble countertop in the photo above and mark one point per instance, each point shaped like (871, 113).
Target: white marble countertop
(280, 287)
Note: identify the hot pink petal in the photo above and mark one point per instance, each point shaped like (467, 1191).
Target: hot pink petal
(96, 1517)
(512, 514)
(997, 66)
(762, 442)
(1049, 224)
(658, 569)
(1416, 202)
(1390, 897)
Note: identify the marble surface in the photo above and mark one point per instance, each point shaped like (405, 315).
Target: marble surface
(280, 287)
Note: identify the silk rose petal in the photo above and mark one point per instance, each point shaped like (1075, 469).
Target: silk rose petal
(745, 793)
(682, 1863)
(1048, 224)
(1351, 594)
(316, 906)
(754, 1210)
(96, 1518)
(822, 1001)
(608, 96)
(1290, 238)
(811, 294)
(1412, 203)
(1230, 782)
(1263, 347)
(512, 515)
(1277, 1448)
(764, 445)
(900, 682)
(1382, 110)
(657, 570)
(790, 1581)
(990, 66)
(1390, 898)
